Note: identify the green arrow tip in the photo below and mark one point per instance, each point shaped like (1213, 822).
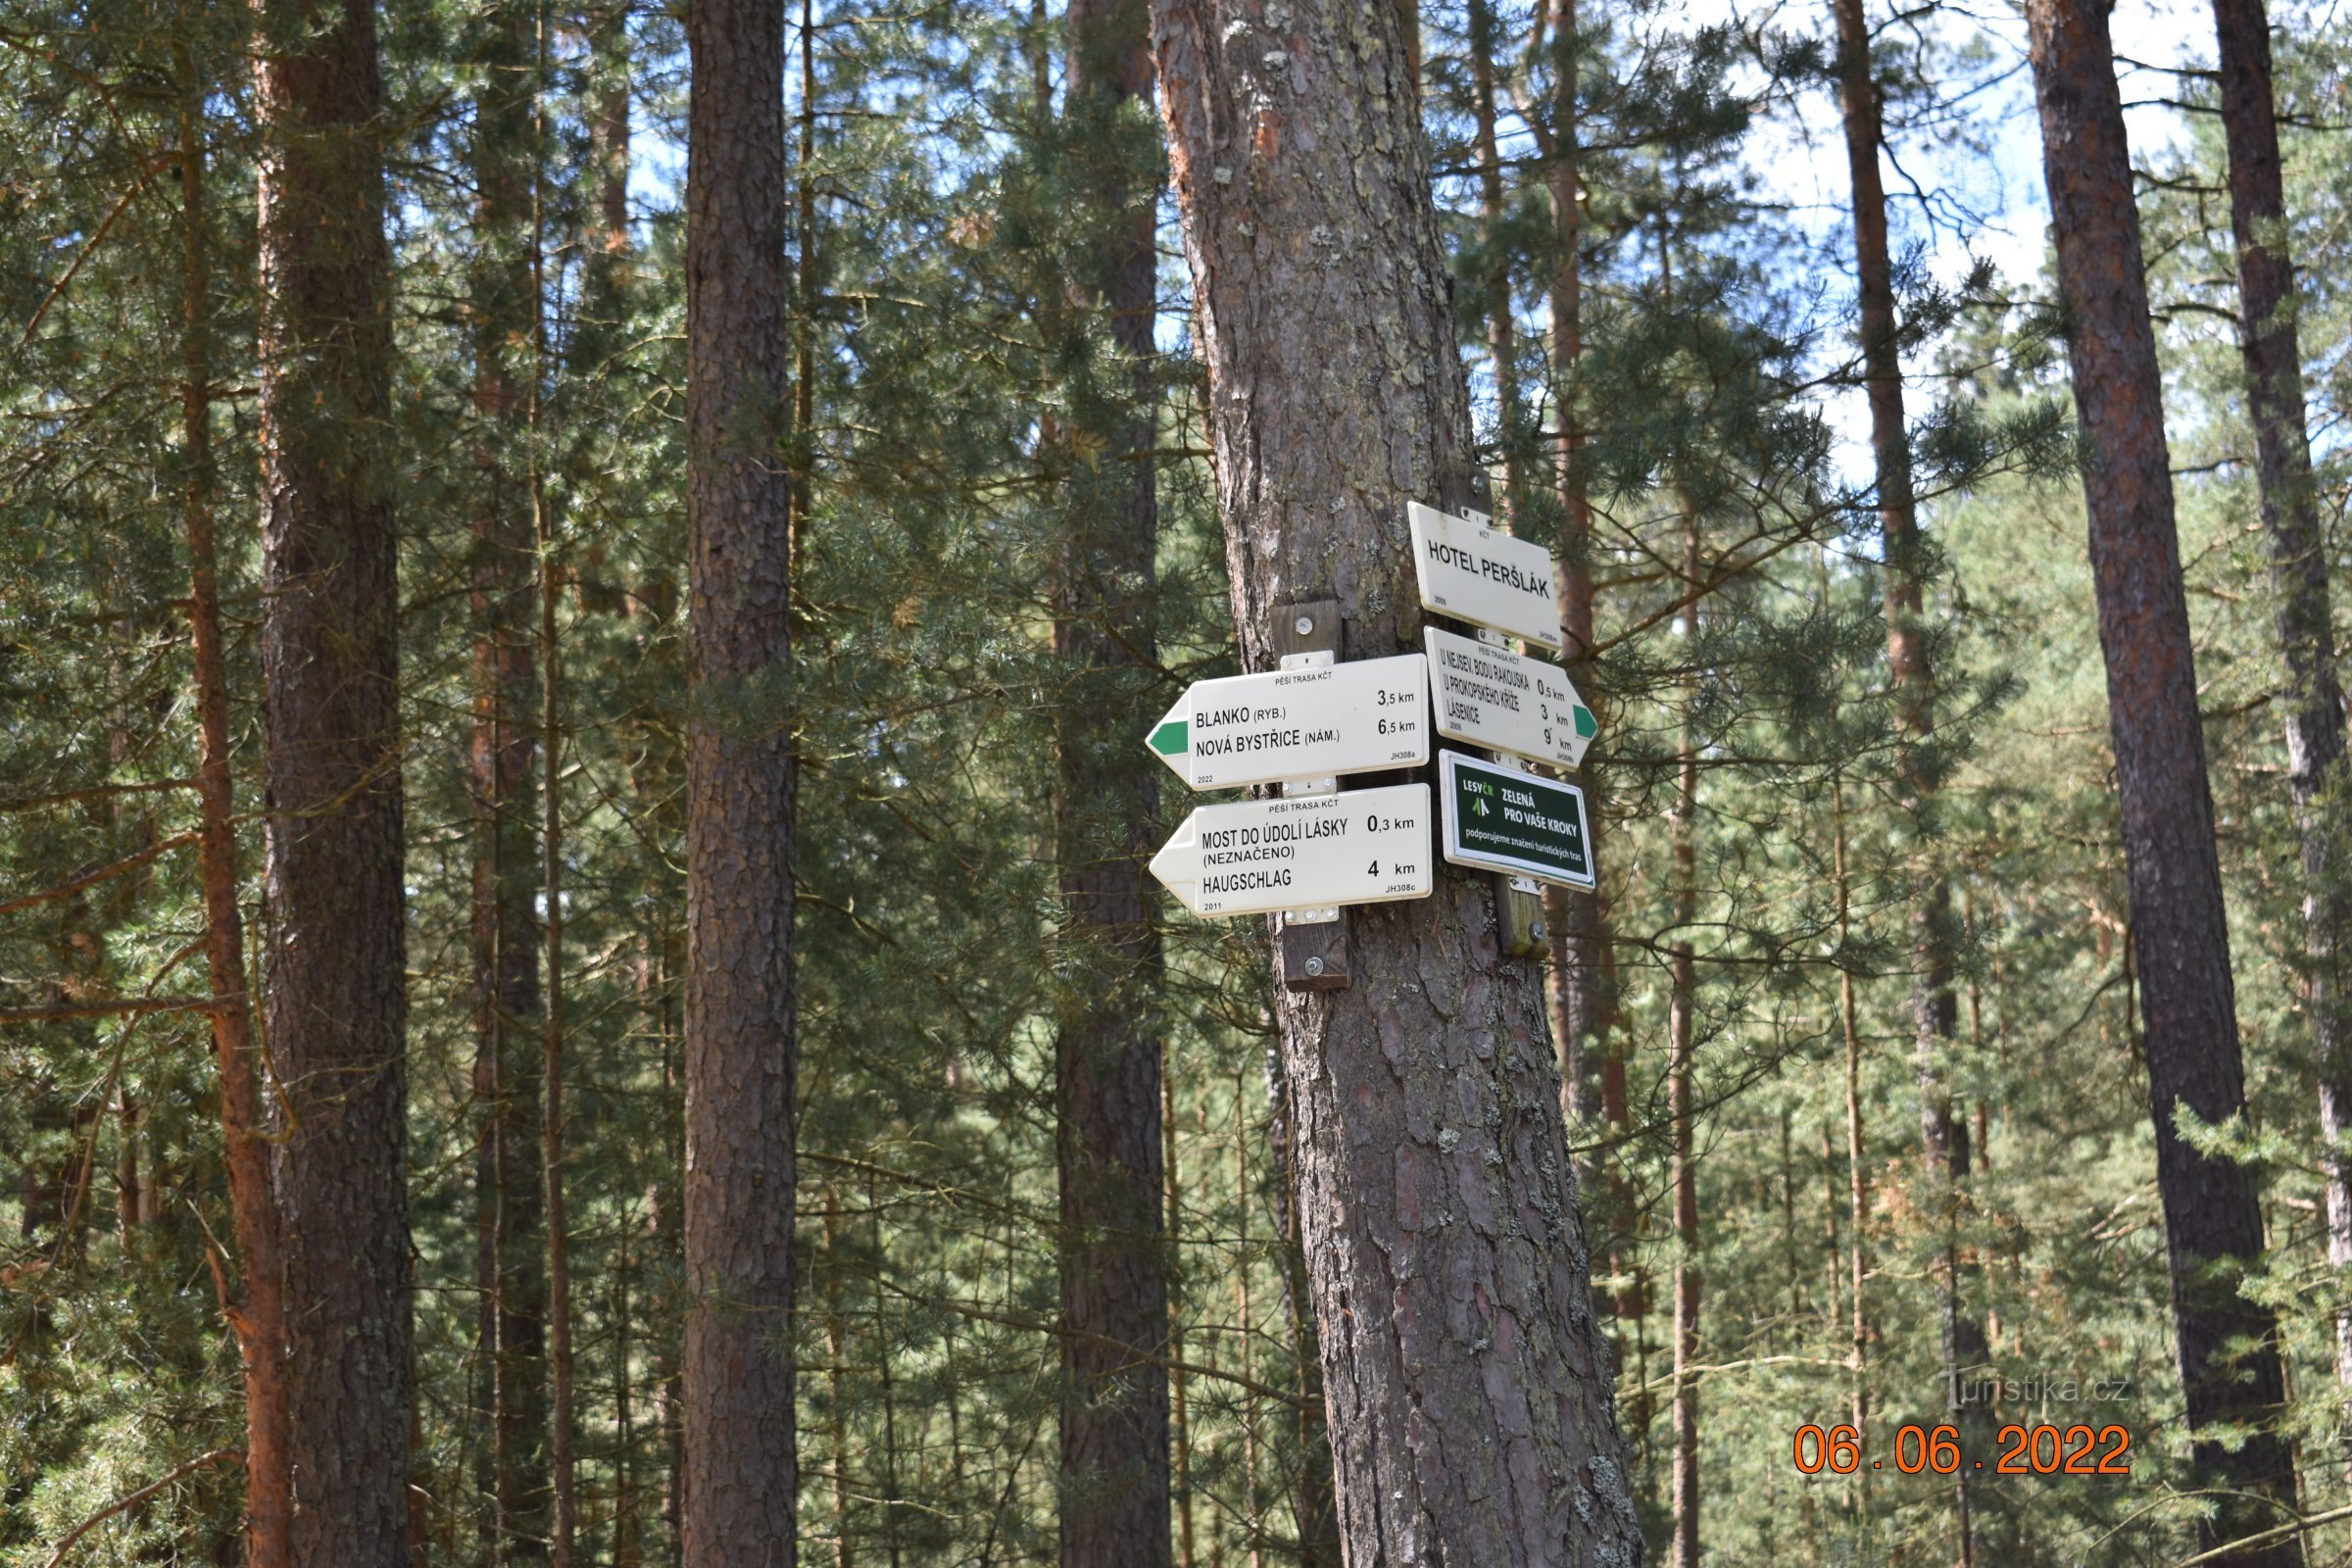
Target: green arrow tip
(1171, 738)
(1585, 723)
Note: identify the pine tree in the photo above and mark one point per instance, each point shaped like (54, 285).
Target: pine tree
(1429, 1153)
(741, 1479)
(510, 1213)
(1114, 1436)
(2213, 1221)
(2270, 348)
(332, 967)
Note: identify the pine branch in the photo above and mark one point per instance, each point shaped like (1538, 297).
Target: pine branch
(133, 1499)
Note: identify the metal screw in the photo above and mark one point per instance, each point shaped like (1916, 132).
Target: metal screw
(1314, 966)
(1304, 624)
(1536, 930)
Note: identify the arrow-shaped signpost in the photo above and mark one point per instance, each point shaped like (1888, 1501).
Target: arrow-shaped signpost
(1317, 721)
(1511, 703)
(1302, 852)
(1506, 702)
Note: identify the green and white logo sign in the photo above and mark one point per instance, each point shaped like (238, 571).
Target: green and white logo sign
(1497, 818)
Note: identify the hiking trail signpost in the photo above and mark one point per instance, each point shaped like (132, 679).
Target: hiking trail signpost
(1475, 573)
(1310, 721)
(1310, 851)
(1299, 852)
(1506, 702)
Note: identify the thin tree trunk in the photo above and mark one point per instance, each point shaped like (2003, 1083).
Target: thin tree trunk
(1243, 1328)
(741, 1469)
(805, 277)
(256, 1314)
(1502, 338)
(1576, 922)
(837, 1413)
(2180, 938)
(1114, 1414)
(1857, 1169)
(1314, 1508)
(1934, 1006)
(1683, 1177)
(885, 1354)
(612, 130)
(335, 1005)
(551, 844)
(2273, 354)
(628, 1530)
(507, 941)
(1181, 1436)
(1466, 1380)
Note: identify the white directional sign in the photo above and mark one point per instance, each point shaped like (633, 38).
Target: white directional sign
(1302, 852)
(1311, 722)
(1487, 579)
(1506, 702)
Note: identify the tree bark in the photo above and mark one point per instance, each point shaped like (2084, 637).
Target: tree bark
(741, 1468)
(1466, 1381)
(2273, 354)
(256, 1315)
(2180, 942)
(508, 1223)
(1114, 1409)
(335, 1003)
(1935, 1010)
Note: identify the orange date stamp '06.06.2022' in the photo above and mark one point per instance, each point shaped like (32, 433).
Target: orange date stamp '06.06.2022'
(2037, 1450)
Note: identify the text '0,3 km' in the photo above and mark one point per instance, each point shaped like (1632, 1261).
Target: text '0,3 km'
(1302, 852)
(1484, 576)
(1308, 722)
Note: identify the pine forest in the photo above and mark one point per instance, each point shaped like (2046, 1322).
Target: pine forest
(746, 752)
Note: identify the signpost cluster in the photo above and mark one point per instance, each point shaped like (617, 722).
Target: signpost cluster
(1314, 849)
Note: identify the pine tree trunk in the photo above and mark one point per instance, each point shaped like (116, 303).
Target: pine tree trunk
(335, 1003)
(256, 1315)
(1680, 1026)
(1314, 1509)
(741, 1473)
(1933, 1008)
(1114, 1409)
(2315, 700)
(1466, 1380)
(561, 1459)
(1180, 1428)
(1576, 922)
(505, 929)
(2179, 941)
(1502, 337)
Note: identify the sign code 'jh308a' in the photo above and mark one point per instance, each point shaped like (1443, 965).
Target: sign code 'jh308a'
(1302, 852)
(1309, 722)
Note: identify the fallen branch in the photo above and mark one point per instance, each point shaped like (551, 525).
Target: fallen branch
(217, 1456)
